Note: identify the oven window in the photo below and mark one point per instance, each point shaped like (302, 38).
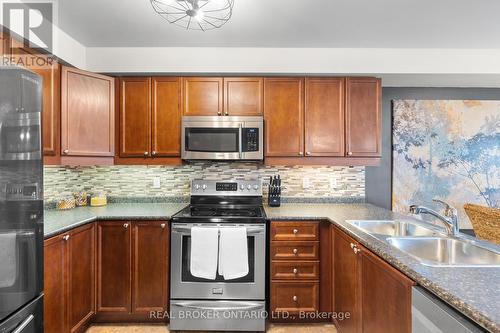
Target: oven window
(186, 263)
(214, 140)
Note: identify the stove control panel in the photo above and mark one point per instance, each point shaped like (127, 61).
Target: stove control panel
(227, 188)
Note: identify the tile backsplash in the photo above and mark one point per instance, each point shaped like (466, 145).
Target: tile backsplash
(137, 181)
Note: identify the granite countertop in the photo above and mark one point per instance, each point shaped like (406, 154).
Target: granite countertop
(473, 291)
(58, 221)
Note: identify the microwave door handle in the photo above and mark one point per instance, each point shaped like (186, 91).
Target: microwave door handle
(239, 141)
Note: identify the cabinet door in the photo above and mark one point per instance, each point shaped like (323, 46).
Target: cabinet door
(284, 117)
(363, 117)
(386, 296)
(135, 116)
(150, 266)
(202, 96)
(243, 96)
(346, 283)
(81, 280)
(166, 117)
(324, 117)
(113, 267)
(55, 288)
(87, 113)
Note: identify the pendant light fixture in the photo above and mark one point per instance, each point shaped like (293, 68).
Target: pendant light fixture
(195, 14)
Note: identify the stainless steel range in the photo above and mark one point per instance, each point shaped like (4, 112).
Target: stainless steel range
(218, 302)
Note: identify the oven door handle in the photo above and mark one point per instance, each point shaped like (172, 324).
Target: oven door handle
(247, 306)
(187, 230)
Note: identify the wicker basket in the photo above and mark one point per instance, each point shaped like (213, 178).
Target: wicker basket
(485, 221)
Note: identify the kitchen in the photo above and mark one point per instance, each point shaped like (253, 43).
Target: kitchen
(286, 180)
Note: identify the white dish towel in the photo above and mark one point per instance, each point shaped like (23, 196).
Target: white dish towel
(204, 248)
(8, 259)
(233, 252)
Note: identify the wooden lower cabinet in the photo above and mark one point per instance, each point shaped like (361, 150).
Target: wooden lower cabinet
(132, 269)
(113, 267)
(69, 280)
(150, 266)
(295, 270)
(377, 296)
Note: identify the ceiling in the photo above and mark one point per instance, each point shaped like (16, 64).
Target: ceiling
(471, 24)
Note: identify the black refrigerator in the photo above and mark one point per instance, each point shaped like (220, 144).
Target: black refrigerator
(21, 202)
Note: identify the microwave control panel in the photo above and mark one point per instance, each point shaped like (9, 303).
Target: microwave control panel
(250, 139)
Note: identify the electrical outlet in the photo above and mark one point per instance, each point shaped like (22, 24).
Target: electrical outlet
(333, 183)
(156, 182)
(305, 183)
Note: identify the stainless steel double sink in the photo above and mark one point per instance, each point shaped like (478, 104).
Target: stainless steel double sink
(429, 245)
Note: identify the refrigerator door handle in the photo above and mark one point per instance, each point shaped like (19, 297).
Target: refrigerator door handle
(23, 325)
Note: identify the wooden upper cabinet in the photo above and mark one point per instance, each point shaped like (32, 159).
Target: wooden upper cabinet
(114, 286)
(386, 296)
(243, 96)
(203, 96)
(135, 116)
(346, 282)
(4, 43)
(324, 117)
(87, 113)
(150, 242)
(55, 271)
(166, 117)
(363, 117)
(284, 117)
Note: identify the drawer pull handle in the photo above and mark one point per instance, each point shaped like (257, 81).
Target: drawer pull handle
(295, 298)
(295, 251)
(125, 225)
(352, 245)
(295, 271)
(66, 237)
(295, 231)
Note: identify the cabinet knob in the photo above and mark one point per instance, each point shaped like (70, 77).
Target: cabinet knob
(146, 153)
(153, 153)
(308, 153)
(295, 271)
(66, 237)
(295, 251)
(295, 298)
(163, 225)
(219, 113)
(22, 109)
(352, 245)
(301, 153)
(226, 113)
(65, 151)
(295, 231)
(356, 250)
(349, 153)
(125, 225)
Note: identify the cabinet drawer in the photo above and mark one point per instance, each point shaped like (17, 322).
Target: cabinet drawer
(295, 270)
(294, 230)
(294, 250)
(294, 296)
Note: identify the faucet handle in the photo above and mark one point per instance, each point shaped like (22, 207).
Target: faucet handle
(449, 210)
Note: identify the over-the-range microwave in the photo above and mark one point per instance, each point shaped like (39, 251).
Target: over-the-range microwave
(222, 138)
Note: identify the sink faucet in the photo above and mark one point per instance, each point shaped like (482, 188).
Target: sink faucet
(449, 219)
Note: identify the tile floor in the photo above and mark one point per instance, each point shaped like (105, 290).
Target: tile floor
(272, 328)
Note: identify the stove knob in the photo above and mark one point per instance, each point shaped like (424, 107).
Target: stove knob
(204, 187)
(256, 187)
(249, 187)
(242, 187)
(197, 187)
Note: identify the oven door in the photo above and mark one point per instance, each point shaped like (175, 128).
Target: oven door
(211, 140)
(185, 286)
